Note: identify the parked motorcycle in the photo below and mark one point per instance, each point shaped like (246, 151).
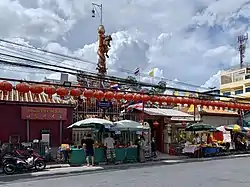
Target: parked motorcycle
(12, 164)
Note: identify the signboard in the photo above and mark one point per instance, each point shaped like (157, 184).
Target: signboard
(42, 113)
(104, 104)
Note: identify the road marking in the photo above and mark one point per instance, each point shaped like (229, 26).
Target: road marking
(173, 161)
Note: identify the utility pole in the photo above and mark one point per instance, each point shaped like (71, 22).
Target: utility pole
(242, 41)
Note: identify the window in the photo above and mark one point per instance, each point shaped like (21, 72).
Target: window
(247, 89)
(247, 77)
(227, 93)
(237, 92)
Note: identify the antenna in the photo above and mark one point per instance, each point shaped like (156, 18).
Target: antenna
(242, 41)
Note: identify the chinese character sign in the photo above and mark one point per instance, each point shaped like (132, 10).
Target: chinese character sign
(42, 113)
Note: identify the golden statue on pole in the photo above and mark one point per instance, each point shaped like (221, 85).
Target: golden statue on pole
(103, 49)
(104, 42)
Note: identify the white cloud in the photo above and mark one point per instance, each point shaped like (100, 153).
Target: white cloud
(188, 40)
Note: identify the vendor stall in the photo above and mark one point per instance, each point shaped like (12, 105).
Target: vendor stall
(131, 130)
(200, 142)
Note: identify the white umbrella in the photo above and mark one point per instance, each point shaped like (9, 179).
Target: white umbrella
(128, 125)
(221, 128)
(92, 121)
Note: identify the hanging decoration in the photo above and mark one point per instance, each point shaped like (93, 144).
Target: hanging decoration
(99, 95)
(154, 99)
(50, 90)
(62, 92)
(137, 97)
(109, 95)
(88, 93)
(22, 88)
(145, 98)
(128, 97)
(6, 86)
(36, 89)
(76, 92)
(156, 124)
(119, 96)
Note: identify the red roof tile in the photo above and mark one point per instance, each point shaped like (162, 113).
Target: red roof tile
(29, 97)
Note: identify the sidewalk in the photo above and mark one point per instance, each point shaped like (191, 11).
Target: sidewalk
(65, 169)
(160, 157)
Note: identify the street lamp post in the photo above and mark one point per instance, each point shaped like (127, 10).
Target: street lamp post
(94, 11)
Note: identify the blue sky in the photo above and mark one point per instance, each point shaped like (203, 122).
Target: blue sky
(186, 40)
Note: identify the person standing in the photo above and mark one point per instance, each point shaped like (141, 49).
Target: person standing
(142, 149)
(110, 149)
(88, 145)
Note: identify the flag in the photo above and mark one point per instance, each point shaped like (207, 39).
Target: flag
(176, 93)
(137, 71)
(115, 86)
(186, 94)
(102, 85)
(152, 73)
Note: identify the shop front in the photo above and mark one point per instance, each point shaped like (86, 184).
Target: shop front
(46, 124)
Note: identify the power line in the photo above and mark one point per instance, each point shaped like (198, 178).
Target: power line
(93, 63)
(109, 78)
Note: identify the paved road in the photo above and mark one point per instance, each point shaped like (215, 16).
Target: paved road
(222, 173)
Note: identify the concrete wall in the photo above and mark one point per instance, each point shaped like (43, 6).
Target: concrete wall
(219, 120)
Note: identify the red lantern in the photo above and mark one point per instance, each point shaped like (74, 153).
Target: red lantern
(6, 86)
(156, 124)
(137, 97)
(175, 100)
(109, 95)
(168, 100)
(88, 93)
(36, 89)
(188, 101)
(99, 95)
(145, 98)
(129, 97)
(154, 98)
(50, 90)
(230, 105)
(62, 92)
(75, 92)
(161, 99)
(22, 88)
(119, 96)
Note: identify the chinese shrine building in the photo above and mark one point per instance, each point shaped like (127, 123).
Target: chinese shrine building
(27, 116)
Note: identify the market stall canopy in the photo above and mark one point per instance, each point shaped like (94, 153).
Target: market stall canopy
(236, 128)
(221, 128)
(129, 125)
(200, 127)
(91, 122)
(159, 111)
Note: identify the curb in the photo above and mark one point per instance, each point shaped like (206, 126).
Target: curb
(115, 167)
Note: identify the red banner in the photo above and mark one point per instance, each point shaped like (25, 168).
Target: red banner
(41, 113)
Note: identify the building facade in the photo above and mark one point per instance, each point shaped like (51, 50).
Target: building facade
(30, 117)
(235, 82)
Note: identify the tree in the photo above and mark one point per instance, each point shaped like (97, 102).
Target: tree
(133, 83)
(160, 89)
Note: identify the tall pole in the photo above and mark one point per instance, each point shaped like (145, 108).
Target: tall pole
(104, 41)
(242, 41)
(103, 46)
